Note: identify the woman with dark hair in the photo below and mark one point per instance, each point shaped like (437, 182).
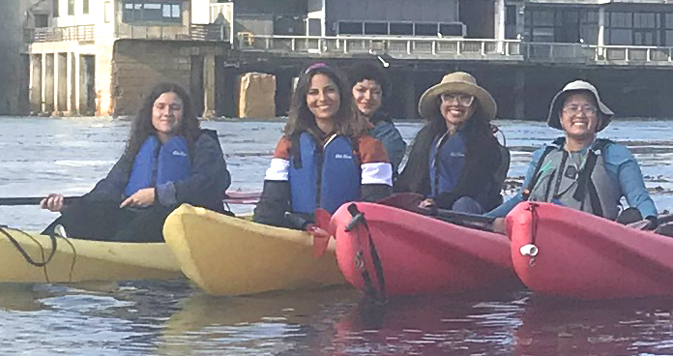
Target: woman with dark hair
(580, 170)
(455, 160)
(370, 86)
(168, 160)
(325, 158)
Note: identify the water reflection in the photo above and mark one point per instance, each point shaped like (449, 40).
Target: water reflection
(172, 318)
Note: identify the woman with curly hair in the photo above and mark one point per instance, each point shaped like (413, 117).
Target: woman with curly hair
(168, 160)
(326, 157)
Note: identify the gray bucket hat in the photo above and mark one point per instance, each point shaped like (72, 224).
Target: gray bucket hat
(553, 119)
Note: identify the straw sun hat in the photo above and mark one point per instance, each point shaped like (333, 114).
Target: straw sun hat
(456, 82)
(553, 119)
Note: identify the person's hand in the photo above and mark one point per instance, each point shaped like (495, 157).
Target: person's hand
(498, 226)
(427, 203)
(53, 202)
(140, 199)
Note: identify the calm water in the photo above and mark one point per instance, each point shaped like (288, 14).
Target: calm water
(38, 156)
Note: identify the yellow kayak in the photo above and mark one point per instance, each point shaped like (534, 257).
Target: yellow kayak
(231, 256)
(81, 260)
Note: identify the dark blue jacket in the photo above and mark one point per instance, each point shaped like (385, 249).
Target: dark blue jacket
(385, 131)
(207, 181)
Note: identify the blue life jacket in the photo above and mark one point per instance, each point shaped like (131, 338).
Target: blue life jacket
(324, 178)
(446, 162)
(157, 164)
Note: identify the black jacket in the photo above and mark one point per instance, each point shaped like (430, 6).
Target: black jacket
(478, 179)
(208, 179)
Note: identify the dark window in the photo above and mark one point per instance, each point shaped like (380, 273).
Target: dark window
(138, 11)
(451, 29)
(376, 28)
(71, 7)
(85, 6)
(402, 29)
(41, 20)
(425, 29)
(54, 8)
(510, 22)
(350, 28)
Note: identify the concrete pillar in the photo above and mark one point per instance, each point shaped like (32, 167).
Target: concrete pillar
(73, 80)
(601, 32)
(410, 105)
(230, 105)
(284, 89)
(48, 92)
(35, 93)
(519, 94)
(62, 83)
(209, 108)
(500, 25)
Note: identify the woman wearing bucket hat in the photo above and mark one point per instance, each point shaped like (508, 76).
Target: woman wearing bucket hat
(325, 157)
(455, 160)
(579, 170)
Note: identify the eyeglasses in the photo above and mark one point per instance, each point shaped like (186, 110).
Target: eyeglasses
(576, 109)
(458, 98)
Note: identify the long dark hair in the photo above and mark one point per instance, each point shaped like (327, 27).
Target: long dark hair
(478, 135)
(300, 118)
(142, 124)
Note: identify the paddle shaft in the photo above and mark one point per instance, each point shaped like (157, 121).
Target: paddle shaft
(231, 198)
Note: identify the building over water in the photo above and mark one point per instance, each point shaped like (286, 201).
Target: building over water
(13, 62)
(101, 56)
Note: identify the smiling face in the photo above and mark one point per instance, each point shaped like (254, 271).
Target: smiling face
(322, 98)
(456, 108)
(579, 116)
(167, 114)
(367, 95)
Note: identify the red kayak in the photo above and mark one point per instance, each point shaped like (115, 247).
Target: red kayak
(416, 254)
(564, 252)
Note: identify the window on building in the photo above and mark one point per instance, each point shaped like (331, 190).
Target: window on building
(350, 28)
(426, 29)
(140, 11)
(401, 29)
(85, 6)
(71, 7)
(107, 12)
(667, 29)
(376, 28)
(41, 20)
(54, 8)
(451, 29)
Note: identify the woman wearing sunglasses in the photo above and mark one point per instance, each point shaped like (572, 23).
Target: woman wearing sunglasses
(455, 160)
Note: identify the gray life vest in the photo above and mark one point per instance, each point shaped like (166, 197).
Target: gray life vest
(586, 186)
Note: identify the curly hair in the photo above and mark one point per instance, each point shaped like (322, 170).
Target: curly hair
(142, 127)
(369, 71)
(300, 119)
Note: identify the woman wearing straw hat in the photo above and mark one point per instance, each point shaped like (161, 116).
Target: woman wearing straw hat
(579, 170)
(455, 160)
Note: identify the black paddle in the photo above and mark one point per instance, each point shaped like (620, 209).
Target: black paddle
(410, 201)
(233, 197)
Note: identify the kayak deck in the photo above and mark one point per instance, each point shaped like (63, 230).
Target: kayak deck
(231, 256)
(77, 260)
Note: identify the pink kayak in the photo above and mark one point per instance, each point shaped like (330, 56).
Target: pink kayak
(563, 252)
(417, 254)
